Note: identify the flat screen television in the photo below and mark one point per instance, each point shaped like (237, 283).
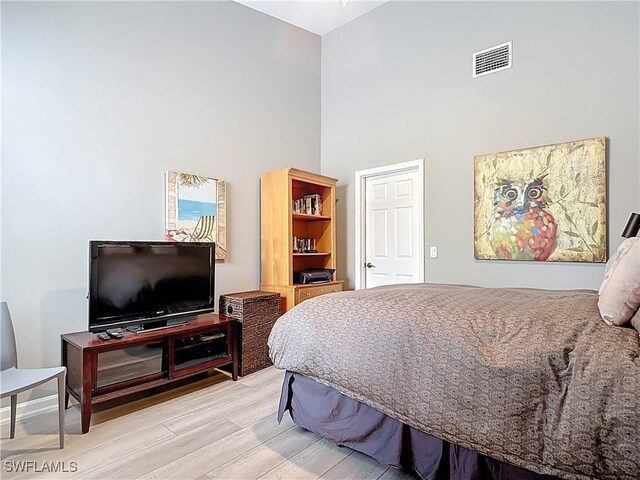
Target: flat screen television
(148, 283)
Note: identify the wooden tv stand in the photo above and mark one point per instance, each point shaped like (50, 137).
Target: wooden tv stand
(101, 370)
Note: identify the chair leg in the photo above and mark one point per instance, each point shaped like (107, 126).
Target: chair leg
(61, 389)
(14, 408)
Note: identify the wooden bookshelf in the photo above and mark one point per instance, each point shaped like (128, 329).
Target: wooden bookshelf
(279, 225)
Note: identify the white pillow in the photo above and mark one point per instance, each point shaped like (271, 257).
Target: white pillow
(635, 321)
(613, 261)
(620, 289)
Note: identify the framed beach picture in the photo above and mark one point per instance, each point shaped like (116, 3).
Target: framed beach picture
(545, 203)
(195, 208)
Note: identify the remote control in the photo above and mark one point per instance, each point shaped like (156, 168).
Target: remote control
(115, 334)
(103, 336)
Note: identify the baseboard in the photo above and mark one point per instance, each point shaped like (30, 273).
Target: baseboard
(30, 408)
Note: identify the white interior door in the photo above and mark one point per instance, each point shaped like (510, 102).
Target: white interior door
(393, 228)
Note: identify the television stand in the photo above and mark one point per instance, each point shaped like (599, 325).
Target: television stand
(99, 370)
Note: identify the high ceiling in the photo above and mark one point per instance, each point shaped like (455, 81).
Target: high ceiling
(317, 16)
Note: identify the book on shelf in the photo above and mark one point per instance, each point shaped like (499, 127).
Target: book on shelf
(309, 205)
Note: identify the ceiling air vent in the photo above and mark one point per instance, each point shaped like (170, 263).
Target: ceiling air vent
(492, 60)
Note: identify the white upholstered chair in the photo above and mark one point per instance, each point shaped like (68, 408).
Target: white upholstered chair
(14, 380)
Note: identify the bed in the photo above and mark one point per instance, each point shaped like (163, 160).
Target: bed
(501, 383)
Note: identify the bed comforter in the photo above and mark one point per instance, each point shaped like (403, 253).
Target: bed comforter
(530, 377)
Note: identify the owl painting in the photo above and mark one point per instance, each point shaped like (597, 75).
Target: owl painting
(521, 228)
(542, 204)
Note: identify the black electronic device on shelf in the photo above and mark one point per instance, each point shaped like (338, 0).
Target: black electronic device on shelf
(150, 284)
(313, 275)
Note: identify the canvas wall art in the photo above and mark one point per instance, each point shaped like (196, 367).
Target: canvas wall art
(542, 204)
(196, 210)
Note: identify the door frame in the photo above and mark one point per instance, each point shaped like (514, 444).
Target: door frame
(361, 178)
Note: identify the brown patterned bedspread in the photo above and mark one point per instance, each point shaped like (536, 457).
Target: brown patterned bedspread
(530, 377)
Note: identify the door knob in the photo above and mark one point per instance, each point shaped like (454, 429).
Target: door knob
(369, 265)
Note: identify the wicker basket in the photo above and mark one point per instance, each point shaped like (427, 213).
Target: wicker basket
(257, 311)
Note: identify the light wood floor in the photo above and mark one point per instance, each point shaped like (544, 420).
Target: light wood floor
(210, 429)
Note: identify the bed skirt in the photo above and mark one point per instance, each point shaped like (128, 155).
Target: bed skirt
(327, 412)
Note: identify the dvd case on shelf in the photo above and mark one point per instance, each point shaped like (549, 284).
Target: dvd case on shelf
(309, 205)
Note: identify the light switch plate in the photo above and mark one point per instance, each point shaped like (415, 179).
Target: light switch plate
(433, 253)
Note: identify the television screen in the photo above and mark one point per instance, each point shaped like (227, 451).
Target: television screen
(136, 282)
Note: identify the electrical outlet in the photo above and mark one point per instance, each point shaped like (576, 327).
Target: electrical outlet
(433, 252)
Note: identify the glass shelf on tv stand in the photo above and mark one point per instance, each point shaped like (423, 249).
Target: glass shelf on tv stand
(117, 366)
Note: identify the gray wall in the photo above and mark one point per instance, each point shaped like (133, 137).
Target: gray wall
(100, 99)
(397, 86)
